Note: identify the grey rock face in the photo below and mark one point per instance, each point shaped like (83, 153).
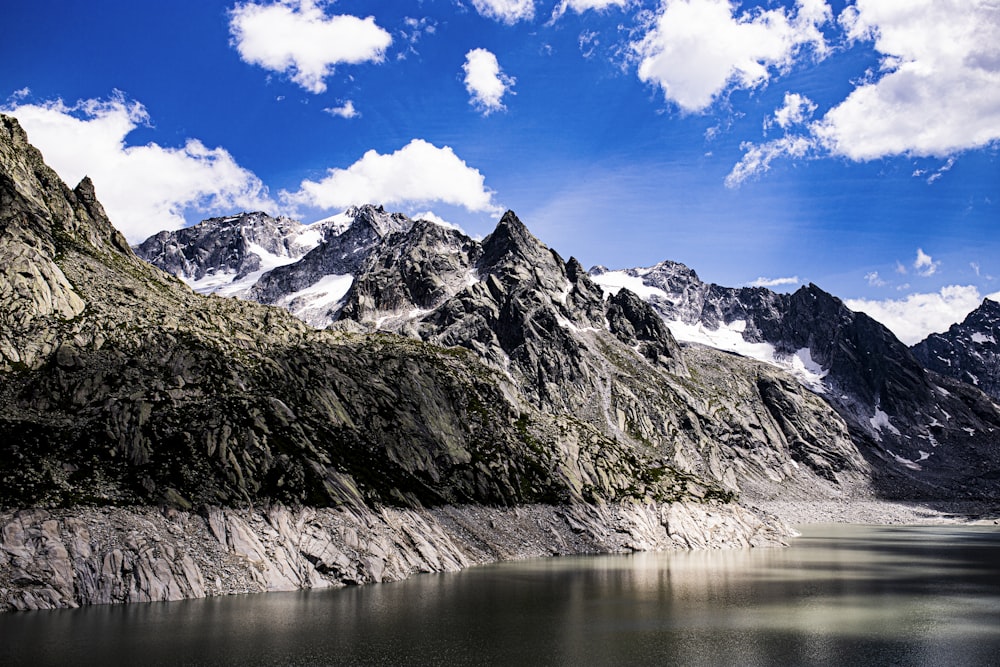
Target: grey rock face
(611, 363)
(968, 351)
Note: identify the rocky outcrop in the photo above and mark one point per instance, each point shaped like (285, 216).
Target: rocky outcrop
(67, 558)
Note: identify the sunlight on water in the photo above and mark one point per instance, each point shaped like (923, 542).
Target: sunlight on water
(838, 595)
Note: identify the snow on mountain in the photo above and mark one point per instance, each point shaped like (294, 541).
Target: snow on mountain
(238, 256)
(228, 255)
(682, 313)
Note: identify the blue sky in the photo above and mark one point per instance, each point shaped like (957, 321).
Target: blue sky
(853, 144)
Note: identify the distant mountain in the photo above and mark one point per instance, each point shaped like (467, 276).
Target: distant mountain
(306, 269)
(916, 427)
(968, 351)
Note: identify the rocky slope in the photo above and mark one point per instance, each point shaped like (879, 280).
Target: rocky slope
(65, 558)
(123, 391)
(968, 351)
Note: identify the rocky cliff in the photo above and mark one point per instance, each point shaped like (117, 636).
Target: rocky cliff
(139, 419)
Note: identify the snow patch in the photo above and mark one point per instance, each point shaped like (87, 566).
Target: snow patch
(338, 224)
(879, 421)
(326, 291)
(982, 338)
(923, 455)
(613, 281)
(905, 462)
(729, 338)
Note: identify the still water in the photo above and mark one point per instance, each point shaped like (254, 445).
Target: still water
(840, 595)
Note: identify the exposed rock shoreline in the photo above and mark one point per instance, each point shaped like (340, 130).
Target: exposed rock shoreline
(68, 558)
(882, 512)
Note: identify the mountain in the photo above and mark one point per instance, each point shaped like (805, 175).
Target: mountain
(921, 432)
(967, 351)
(846, 398)
(158, 444)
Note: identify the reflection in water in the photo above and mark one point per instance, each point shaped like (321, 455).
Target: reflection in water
(839, 595)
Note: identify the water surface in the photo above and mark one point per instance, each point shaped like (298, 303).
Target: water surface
(839, 595)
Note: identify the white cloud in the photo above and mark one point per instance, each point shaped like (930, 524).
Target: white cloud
(918, 315)
(296, 37)
(580, 6)
(924, 264)
(758, 157)
(775, 282)
(796, 110)
(485, 81)
(940, 90)
(875, 280)
(144, 189)
(937, 91)
(506, 11)
(345, 110)
(431, 216)
(418, 173)
(696, 49)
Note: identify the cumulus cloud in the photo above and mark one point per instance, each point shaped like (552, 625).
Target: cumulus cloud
(296, 37)
(419, 173)
(485, 81)
(345, 110)
(939, 92)
(695, 50)
(775, 282)
(506, 11)
(918, 315)
(144, 189)
(797, 109)
(580, 6)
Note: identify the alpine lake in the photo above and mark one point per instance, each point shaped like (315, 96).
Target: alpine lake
(839, 595)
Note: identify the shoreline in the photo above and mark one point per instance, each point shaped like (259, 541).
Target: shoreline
(881, 512)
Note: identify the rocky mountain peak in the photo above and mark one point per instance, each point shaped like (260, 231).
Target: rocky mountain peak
(378, 220)
(968, 351)
(512, 243)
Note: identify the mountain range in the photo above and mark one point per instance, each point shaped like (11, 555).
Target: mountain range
(420, 401)
(534, 319)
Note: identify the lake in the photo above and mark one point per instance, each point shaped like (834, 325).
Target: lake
(840, 595)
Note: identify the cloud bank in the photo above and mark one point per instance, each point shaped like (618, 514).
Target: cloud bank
(936, 94)
(144, 189)
(417, 174)
(297, 38)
